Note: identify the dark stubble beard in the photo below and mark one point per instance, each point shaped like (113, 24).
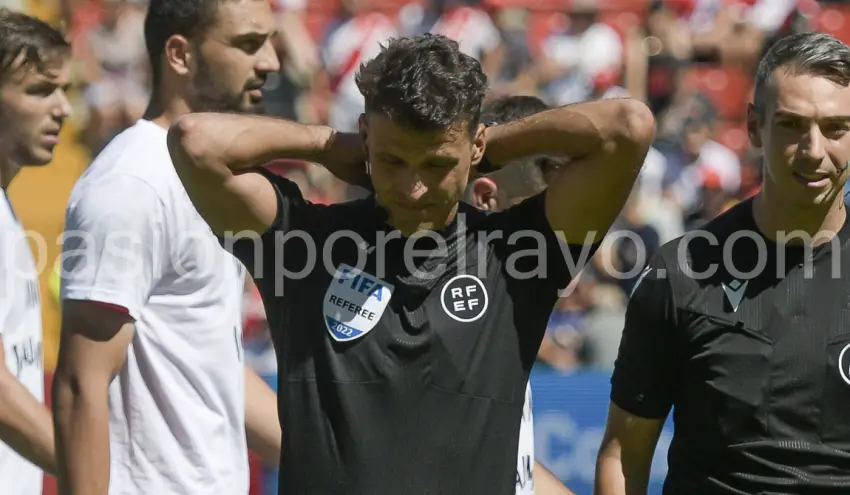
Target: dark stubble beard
(213, 98)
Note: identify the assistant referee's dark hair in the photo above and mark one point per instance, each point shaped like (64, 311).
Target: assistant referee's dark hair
(26, 41)
(818, 54)
(424, 83)
(525, 177)
(166, 18)
(511, 108)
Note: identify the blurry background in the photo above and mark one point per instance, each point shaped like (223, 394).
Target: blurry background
(692, 61)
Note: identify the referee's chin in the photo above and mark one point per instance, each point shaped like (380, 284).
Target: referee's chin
(411, 223)
(411, 229)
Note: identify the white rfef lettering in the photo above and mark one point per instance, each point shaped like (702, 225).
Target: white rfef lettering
(464, 302)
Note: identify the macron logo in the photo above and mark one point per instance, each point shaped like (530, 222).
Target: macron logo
(735, 292)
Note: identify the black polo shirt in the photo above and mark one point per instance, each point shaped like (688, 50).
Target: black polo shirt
(391, 382)
(752, 357)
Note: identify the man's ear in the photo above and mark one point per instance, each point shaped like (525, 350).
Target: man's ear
(178, 54)
(479, 144)
(753, 126)
(484, 192)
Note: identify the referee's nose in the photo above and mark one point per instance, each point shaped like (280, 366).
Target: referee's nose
(410, 184)
(811, 147)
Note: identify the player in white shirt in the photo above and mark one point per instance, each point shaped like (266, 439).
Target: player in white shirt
(151, 391)
(495, 191)
(33, 77)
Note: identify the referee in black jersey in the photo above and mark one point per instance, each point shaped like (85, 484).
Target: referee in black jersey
(743, 328)
(406, 323)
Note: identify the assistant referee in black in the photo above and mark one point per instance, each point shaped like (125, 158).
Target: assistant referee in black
(743, 328)
(404, 336)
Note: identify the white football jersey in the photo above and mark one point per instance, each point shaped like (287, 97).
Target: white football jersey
(135, 240)
(525, 456)
(20, 329)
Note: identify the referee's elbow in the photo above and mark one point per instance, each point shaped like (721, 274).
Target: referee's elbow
(187, 143)
(638, 123)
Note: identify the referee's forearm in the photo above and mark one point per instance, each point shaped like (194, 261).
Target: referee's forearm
(81, 419)
(575, 131)
(225, 144)
(25, 424)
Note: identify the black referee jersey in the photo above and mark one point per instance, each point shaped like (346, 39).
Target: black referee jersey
(396, 383)
(753, 358)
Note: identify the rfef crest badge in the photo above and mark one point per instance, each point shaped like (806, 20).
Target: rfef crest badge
(354, 303)
(844, 364)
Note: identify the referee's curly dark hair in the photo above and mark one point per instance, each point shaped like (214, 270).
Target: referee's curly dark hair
(424, 83)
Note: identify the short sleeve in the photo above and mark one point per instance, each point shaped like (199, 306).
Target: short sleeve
(644, 378)
(254, 250)
(114, 244)
(532, 247)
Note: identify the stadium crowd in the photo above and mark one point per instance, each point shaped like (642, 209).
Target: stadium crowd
(691, 61)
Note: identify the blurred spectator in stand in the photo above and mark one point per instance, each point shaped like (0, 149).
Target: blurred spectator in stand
(583, 60)
(517, 74)
(415, 17)
(584, 327)
(740, 31)
(686, 134)
(628, 249)
(299, 58)
(117, 70)
(603, 325)
(730, 31)
(473, 29)
(562, 345)
(648, 201)
(355, 38)
(677, 33)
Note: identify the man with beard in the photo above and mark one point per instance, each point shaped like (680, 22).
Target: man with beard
(151, 394)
